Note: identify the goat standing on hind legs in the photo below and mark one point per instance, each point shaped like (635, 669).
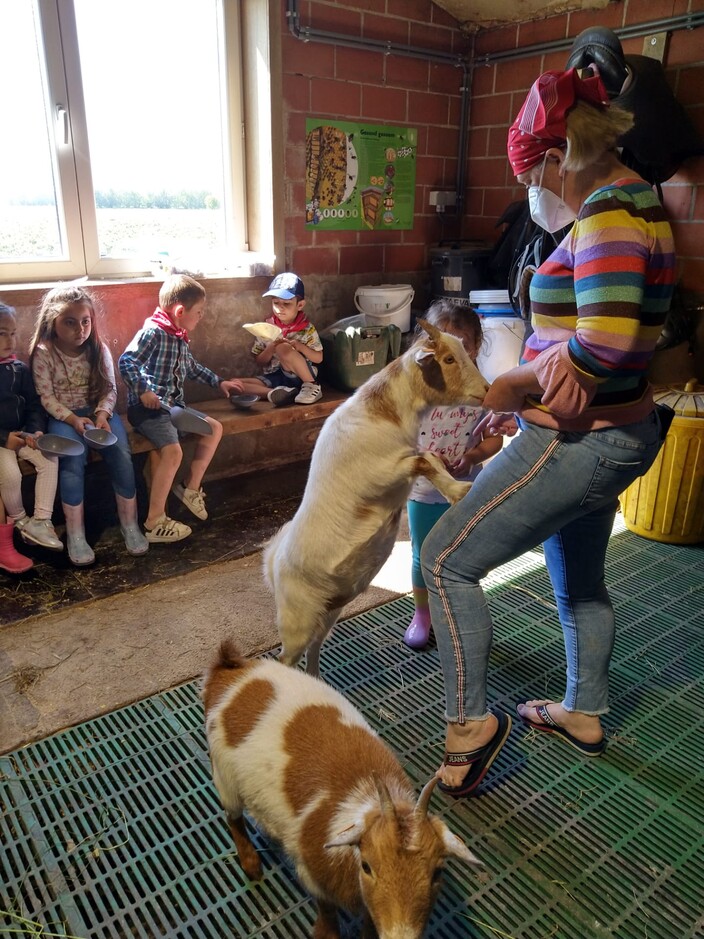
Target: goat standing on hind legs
(363, 465)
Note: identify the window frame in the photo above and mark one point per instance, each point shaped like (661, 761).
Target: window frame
(58, 38)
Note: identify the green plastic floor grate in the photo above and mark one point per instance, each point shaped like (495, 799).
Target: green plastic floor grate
(113, 828)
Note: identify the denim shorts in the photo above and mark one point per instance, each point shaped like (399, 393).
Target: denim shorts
(154, 424)
(280, 378)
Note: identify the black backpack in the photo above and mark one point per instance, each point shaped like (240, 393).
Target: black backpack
(521, 247)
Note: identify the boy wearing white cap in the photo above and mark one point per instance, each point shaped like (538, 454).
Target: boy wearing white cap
(288, 361)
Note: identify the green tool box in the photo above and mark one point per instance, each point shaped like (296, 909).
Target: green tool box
(353, 351)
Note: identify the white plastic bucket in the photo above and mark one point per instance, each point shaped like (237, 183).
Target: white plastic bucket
(501, 348)
(386, 305)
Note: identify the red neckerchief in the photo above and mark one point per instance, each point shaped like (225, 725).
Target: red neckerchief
(297, 326)
(8, 359)
(161, 319)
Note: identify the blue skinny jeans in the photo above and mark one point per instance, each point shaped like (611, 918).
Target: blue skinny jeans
(117, 458)
(555, 488)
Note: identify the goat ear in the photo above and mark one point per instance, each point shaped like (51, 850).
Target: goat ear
(350, 836)
(431, 330)
(424, 356)
(454, 847)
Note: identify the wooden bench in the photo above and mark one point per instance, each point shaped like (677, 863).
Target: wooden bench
(260, 417)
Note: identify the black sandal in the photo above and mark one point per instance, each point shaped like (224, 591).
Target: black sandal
(479, 760)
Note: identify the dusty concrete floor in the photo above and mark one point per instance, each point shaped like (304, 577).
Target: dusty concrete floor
(58, 669)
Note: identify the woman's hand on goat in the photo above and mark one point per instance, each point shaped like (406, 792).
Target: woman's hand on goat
(507, 392)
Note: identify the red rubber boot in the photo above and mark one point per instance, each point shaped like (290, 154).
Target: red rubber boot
(10, 559)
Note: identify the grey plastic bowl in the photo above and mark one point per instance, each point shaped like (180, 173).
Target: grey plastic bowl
(244, 402)
(98, 438)
(60, 446)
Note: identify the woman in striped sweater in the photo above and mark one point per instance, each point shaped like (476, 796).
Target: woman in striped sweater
(588, 424)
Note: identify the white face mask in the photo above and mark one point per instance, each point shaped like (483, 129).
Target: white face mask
(547, 209)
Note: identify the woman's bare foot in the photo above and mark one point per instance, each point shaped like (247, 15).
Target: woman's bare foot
(584, 727)
(463, 738)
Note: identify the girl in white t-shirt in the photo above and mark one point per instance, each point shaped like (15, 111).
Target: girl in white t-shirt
(448, 432)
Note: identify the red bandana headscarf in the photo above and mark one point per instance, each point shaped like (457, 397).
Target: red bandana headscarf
(541, 122)
(161, 319)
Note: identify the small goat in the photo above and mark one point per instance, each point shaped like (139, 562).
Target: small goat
(363, 465)
(303, 762)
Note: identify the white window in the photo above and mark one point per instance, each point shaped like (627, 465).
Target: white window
(122, 138)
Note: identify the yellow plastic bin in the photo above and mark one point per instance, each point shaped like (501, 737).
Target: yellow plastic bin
(667, 504)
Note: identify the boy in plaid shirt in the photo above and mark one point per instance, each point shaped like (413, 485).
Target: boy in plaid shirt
(154, 367)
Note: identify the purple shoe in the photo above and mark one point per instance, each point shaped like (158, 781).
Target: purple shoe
(418, 632)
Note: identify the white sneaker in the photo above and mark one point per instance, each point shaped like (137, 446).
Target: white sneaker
(166, 530)
(193, 499)
(39, 531)
(282, 395)
(310, 393)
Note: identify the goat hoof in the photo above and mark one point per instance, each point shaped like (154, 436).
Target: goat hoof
(252, 866)
(459, 492)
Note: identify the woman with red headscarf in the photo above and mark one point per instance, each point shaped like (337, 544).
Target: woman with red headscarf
(587, 419)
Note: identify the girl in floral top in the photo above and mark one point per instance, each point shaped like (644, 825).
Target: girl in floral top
(74, 376)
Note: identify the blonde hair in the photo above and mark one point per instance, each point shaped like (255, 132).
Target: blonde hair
(56, 302)
(180, 288)
(591, 132)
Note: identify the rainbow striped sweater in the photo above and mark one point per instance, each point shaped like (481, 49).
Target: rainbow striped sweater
(597, 309)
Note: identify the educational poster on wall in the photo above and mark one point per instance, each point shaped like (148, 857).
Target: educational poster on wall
(359, 176)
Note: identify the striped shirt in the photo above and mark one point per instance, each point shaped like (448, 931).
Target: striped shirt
(598, 305)
(159, 362)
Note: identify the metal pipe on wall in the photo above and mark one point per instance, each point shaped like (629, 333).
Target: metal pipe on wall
(672, 24)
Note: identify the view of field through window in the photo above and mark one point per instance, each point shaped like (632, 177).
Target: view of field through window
(154, 109)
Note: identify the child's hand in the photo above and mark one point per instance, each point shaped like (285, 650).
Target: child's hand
(463, 466)
(150, 399)
(16, 440)
(495, 423)
(231, 386)
(80, 424)
(101, 421)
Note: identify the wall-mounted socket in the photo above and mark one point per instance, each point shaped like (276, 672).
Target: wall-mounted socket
(442, 199)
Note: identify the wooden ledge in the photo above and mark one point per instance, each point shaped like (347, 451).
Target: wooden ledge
(260, 416)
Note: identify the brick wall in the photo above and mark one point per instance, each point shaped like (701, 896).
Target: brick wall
(499, 90)
(349, 84)
(322, 80)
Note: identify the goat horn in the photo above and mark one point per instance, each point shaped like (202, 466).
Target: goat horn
(421, 809)
(388, 809)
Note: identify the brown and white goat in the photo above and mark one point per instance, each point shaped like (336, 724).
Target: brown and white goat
(361, 472)
(304, 764)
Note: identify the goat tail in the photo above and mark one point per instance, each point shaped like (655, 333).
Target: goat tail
(229, 655)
